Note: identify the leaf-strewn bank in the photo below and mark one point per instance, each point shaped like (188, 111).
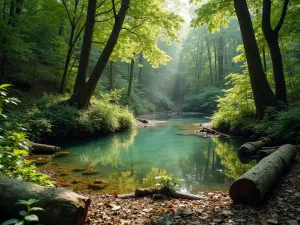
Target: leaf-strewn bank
(282, 207)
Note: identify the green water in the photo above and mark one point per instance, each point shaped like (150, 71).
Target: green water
(204, 164)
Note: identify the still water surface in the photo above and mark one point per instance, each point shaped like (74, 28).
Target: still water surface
(125, 159)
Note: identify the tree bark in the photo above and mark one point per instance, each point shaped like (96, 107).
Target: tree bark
(44, 149)
(264, 153)
(130, 80)
(83, 98)
(140, 69)
(220, 60)
(250, 148)
(111, 76)
(252, 186)
(271, 36)
(216, 66)
(62, 207)
(263, 95)
(264, 60)
(86, 48)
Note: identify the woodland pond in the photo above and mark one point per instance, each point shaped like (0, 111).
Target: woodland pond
(125, 159)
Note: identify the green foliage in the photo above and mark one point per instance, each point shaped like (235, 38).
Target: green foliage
(284, 125)
(27, 215)
(205, 101)
(53, 118)
(14, 147)
(168, 183)
(149, 181)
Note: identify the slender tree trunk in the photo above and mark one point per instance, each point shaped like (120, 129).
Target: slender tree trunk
(263, 95)
(70, 49)
(216, 67)
(12, 12)
(209, 61)
(200, 67)
(130, 80)
(271, 36)
(19, 5)
(220, 60)
(111, 76)
(140, 69)
(85, 50)
(86, 93)
(4, 9)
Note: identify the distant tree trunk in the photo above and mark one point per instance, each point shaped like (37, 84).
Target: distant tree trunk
(85, 49)
(220, 60)
(4, 9)
(140, 69)
(263, 95)
(83, 98)
(70, 49)
(12, 12)
(209, 61)
(111, 76)
(19, 5)
(200, 67)
(130, 80)
(271, 36)
(216, 66)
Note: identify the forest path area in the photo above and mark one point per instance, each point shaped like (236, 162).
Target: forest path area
(281, 206)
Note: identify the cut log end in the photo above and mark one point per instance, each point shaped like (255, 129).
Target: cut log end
(244, 191)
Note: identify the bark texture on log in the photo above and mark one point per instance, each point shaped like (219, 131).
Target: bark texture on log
(44, 149)
(62, 207)
(177, 194)
(250, 148)
(252, 186)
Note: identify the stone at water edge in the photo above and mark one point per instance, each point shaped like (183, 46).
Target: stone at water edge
(90, 172)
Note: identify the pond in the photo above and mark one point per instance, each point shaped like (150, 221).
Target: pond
(125, 159)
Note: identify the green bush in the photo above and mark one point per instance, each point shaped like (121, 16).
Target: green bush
(52, 118)
(203, 102)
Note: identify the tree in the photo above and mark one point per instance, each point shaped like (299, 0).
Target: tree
(263, 95)
(271, 36)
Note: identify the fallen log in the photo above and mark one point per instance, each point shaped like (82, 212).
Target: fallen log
(252, 186)
(44, 149)
(177, 194)
(212, 131)
(265, 153)
(62, 207)
(142, 120)
(250, 148)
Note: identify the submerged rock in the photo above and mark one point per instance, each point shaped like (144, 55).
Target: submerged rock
(61, 154)
(90, 172)
(79, 169)
(98, 184)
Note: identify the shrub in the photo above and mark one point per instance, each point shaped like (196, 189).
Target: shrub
(203, 102)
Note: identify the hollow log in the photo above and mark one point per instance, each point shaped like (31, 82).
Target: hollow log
(250, 148)
(265, 153)
(252, 186)
(62, 207)
(44, 149)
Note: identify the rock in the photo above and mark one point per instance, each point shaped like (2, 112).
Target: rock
(98, 184)
(272, 221)
(79, 169)
(90, 172)
(76, 181)
(186, 212)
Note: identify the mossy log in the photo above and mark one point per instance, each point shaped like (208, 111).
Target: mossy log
(44, 149)
(250, 148)
(252, 186)
(265, 153)
(62, 207)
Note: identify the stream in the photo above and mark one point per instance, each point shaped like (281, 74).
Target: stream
(125, 160)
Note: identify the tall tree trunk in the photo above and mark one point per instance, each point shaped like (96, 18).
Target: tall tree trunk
(4, 9)
(200, 67)
(209, 61)
(130, 80)
(263, 95)
(12, 12)
(216, 66)
(85, 50)
(111, 76)
(271, 36)
(83, 98)
(140, 69)
(19, 5)
(220, 60)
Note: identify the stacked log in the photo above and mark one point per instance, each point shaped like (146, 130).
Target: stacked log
(252, 186)
(62, 207)
(250, 148)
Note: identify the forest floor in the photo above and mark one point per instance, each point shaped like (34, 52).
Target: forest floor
(281, 206)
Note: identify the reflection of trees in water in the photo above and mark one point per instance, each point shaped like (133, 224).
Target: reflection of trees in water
(227, 151)
(111, 156)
